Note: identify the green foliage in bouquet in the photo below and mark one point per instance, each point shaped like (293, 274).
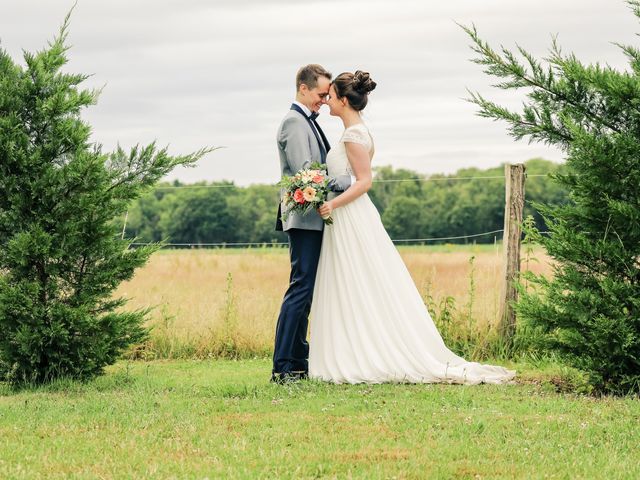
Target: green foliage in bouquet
(306, 190)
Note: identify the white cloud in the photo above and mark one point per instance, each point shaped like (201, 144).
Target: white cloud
(195, 72)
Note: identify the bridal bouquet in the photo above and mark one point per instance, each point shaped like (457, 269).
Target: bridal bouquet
(306, 190)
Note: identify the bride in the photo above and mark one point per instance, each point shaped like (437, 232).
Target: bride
(368, 321)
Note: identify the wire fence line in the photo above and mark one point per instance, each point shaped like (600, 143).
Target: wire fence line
(398, 180)
(459, 237)
(261, 244)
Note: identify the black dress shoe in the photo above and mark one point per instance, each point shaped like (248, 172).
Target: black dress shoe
(289, 377)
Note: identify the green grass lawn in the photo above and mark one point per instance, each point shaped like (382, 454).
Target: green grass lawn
(222, 419)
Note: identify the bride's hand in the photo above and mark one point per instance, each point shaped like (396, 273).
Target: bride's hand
(325, 209)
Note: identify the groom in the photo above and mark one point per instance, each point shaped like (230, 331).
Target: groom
(300, 143)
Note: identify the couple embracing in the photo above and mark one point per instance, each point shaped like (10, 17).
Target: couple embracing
(369, 323)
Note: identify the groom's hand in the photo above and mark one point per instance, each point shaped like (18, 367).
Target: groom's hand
(340, 183)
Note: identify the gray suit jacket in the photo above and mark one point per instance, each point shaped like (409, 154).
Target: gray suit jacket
(298, 148)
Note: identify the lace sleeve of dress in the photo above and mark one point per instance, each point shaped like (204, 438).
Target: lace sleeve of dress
(357, 134)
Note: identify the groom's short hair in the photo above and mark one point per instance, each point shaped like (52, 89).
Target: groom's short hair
(309, 75)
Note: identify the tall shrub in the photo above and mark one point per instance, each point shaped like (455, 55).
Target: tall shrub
(61, 256)
(590, 309)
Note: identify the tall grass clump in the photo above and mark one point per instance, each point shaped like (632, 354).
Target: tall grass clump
(460, 329)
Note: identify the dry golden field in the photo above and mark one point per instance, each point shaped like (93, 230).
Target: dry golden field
(224, 301)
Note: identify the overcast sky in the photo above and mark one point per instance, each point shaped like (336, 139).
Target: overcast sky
(195, 73)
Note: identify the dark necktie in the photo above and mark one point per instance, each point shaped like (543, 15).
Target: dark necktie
(325, 143)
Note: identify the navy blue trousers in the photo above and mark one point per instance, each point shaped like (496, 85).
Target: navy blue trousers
(291, 352)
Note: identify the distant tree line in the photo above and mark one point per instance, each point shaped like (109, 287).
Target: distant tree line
(411, 204)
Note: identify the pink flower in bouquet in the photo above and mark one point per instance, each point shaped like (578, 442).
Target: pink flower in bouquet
(309, 194)
(298, 196)
(317, 178)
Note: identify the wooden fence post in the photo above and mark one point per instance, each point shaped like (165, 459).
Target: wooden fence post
(513, 213)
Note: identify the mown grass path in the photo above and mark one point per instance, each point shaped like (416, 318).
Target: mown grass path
(222, 419)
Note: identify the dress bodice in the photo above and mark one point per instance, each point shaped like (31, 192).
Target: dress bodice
(337, 160)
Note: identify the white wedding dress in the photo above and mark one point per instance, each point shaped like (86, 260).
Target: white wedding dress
(368, 321)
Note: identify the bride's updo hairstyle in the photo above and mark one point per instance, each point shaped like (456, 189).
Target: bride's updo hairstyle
(355, 87)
